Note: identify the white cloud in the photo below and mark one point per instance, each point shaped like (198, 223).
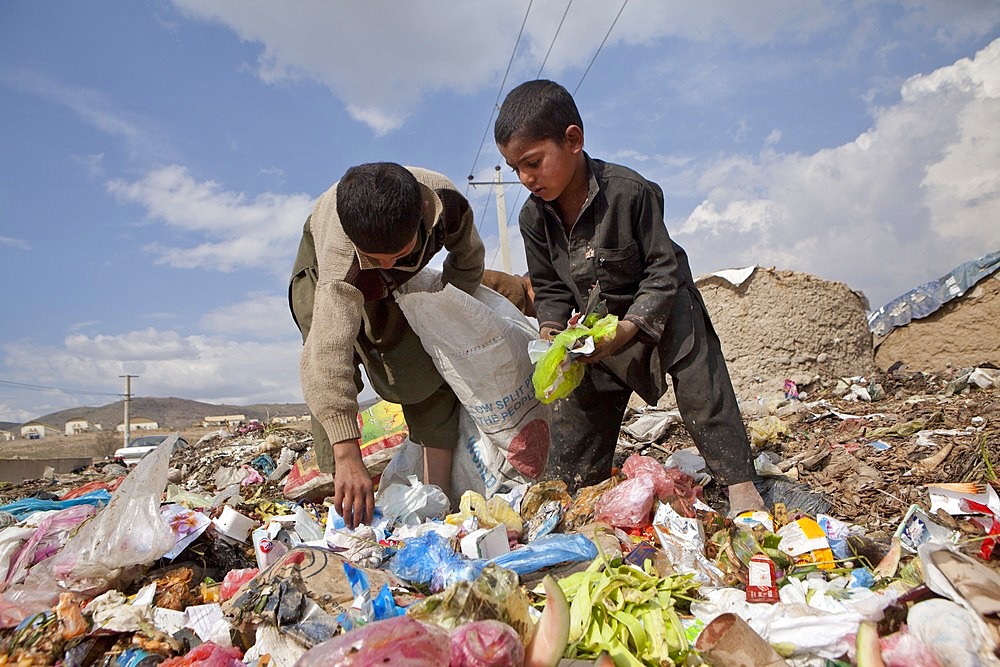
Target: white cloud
(261, 315)
(382, 57)
(144, 345)
(92, 164)
(206, 368)
(919, 191)
(244, 232)
(90, 105)
(11, 242)
(744, 216)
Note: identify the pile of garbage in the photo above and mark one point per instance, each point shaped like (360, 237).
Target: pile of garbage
(880, 548)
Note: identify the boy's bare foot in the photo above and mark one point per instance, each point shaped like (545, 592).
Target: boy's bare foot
(743, 497)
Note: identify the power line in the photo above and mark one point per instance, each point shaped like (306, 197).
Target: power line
(553, 42)
(38, 387)
(620, 10)
(496, 104)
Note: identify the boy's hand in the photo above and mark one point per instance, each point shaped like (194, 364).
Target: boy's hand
(354, 497)
(624, 332)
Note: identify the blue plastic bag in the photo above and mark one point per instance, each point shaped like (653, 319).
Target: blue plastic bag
(552, 549)
(430, 560)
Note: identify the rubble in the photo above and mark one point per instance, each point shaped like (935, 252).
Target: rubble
(892, 503)
(776, 324)
(963, 331)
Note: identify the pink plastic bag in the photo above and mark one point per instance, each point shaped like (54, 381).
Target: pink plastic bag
(486, 643)
(904, 649)
(400, 640)
(48, 538)
(637, 465)
(628, 505)
(207, 655)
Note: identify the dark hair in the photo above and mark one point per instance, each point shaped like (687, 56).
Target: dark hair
(538, 109)
(380, 206)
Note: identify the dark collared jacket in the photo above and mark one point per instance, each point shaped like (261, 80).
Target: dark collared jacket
(620, 239)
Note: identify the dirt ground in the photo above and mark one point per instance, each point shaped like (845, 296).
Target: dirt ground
(836, 464)
(98, 445)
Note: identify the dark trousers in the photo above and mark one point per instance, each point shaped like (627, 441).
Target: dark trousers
(585, 424)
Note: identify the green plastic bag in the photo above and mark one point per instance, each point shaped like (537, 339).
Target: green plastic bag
(557, 374)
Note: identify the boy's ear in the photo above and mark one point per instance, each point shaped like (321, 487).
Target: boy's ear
(574, 138)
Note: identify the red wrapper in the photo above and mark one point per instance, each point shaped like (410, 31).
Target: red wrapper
(761, 586)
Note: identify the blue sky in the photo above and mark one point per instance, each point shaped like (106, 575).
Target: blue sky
(159, 158)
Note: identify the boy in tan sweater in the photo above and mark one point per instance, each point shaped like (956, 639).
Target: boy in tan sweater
(369, 233)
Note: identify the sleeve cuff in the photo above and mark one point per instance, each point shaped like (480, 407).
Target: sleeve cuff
(341, 427)
(558, 326)
(647, 334)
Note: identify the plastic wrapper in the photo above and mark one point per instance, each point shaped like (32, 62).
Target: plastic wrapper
(489, 513)
(366, 608)
(904, 649)
(25, 507)
(630, 504)
(495, 594)
(234, 579)
(765, 430)
(396, 641)
(486, 644)
(682, 540)
(557, 373)
(794, 495)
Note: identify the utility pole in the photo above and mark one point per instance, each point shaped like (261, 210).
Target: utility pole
(498, 184)
(128, 399)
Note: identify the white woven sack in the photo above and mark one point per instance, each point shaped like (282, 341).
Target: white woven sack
(479, 344)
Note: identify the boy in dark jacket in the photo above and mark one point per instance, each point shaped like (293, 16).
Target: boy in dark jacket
(589, 222)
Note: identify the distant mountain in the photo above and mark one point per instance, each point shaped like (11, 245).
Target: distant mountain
(169, 413)
(9, 426)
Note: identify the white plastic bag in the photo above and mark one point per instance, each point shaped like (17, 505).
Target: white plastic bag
(479, 344)
(128, 532)
(412, 503)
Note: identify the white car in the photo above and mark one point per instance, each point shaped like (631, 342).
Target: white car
(144, 444)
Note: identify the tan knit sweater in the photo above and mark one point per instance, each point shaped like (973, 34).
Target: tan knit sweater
(327, 363)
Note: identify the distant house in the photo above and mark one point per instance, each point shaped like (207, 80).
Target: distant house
(138, 424)
(79, 425)
(231, 421)
(6, 435)
(290, 419)
(36, 430)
